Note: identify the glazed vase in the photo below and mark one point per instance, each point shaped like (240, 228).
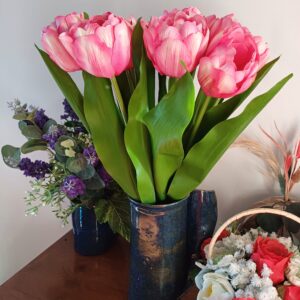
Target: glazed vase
(158, 248)
(90, 237)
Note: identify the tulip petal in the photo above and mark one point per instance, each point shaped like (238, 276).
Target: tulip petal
(121, 53)
(168, 57)
(57, 52)
(93, 56)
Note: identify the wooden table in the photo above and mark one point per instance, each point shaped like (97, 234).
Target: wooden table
(61, 274)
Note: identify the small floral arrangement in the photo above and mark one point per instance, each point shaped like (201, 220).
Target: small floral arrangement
(253, 266)
(73, 169)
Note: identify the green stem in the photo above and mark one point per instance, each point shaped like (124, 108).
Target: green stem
(119, 99)
(130, 82)
(198, 120)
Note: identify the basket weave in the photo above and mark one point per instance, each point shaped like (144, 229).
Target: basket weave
(246, 213)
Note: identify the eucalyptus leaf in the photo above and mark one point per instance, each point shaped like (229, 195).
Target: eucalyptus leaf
(204, 154)
(48, 124)
(34, 145)
(87, 173)
(107, 131)
(29, 130)
(76, 164)
(94, 183)
(67, 86)
(11, 155)
(166, 137)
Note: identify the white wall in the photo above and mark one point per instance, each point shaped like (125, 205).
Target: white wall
(23, 76)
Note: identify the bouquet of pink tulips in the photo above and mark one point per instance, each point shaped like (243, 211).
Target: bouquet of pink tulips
(156, 134)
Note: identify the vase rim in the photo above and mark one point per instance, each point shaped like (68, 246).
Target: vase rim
(158, 206)
(203, 190)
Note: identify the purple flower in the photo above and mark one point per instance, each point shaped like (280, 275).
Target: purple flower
(73, 187)
(40, 118)
(37, 169)
(54, 133)
(91, 155)
(69, 113)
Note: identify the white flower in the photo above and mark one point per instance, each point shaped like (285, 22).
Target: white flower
(234, 269)
(293, 270)
(67, 143)
(249, 248)
(256, 281)
(266, 272)
(215, 287)
(268, 293)
(251, 265)
(70, 152)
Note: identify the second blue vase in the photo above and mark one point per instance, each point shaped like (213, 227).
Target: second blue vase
(90, 237)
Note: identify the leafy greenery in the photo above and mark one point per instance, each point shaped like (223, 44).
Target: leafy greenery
(11, 155)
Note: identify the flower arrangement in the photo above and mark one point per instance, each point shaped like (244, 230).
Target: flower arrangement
(73, 169)
(281, 161)
(253, 266)
(159, 146)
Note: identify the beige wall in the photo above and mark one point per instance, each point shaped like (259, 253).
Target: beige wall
(23, 76)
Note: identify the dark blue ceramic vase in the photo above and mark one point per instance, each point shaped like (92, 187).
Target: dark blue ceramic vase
(158, 266)
(90, 237)
(202, 219)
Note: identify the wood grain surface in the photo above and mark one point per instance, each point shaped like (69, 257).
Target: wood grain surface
(61, 274)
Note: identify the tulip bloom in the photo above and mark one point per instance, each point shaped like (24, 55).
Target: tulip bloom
(177, 36)
(102, 45)
(52, 44)
(232, 60)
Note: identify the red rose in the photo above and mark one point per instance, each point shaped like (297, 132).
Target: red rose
(225, 233)
(291, 292)
(274, 255)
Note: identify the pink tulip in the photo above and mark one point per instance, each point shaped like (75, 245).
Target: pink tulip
(232, 60)
(102, 45)
(52, 44)
(177, 36)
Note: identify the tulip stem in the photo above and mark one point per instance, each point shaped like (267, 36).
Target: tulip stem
(198, 120)
(119, 99)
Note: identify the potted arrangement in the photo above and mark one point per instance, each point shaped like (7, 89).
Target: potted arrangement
(73, 170)
(159, 146)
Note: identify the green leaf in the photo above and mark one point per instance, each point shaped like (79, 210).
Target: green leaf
(48, 124)
(29, 130)
(204, 154)
(162, 90)
(166, 136)
(87, 173)
(94, 183)
(67, 86)
(137, 138)
(76, 164)
(11, 155)
(107, 131)
(34, 145)
(224, 110)
(115, 211)
(137, 47)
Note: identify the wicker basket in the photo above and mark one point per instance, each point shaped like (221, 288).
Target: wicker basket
(247, 213)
